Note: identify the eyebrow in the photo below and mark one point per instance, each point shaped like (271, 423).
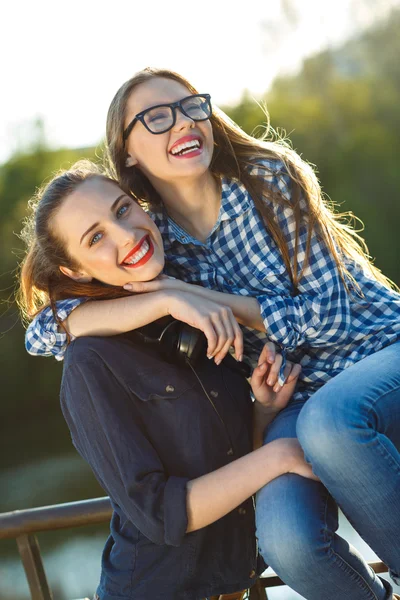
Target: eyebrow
(114, 204)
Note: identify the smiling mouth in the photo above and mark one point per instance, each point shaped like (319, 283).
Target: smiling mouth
(186, 147)
(140, 253)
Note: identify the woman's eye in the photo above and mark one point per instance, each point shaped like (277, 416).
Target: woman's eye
(94, 239)
(157, 116)
(122, 210)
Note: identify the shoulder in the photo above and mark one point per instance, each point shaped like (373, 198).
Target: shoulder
(84, 350)
(115, 352)
(266, 167)
(101, 367)
(124, 360)
(274, 174)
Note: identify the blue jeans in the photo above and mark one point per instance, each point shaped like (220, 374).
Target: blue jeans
(350, 433)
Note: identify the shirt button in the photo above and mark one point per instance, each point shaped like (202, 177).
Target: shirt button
(230, 452)
(214, 394)
(252, 574)
(170, 388)
(230, 281)
(242, 511)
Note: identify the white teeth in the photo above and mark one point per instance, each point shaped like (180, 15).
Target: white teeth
(187, 147)
(144, 248)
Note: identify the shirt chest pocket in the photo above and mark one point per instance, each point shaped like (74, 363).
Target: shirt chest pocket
(167, 384)
(197, 272)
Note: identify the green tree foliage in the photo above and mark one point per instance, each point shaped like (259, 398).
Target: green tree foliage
(29, 387)
(341, 113)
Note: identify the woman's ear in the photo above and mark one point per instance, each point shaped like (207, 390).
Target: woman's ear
(76, 275)
(130, 161)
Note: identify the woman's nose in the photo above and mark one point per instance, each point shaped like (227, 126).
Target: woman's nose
(182, 121)
(124, 236)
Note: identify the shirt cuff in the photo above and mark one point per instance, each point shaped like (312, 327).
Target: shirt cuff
(175, 510)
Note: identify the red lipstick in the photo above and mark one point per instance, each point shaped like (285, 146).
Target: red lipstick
(145, 240)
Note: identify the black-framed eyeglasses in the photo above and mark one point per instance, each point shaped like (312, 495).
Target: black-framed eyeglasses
(162, 117)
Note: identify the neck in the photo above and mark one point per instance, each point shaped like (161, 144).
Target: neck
(193, 203)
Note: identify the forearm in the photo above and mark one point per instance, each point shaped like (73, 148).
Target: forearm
(212, 496)
(262, 417)
(111, 317)
(246, 309)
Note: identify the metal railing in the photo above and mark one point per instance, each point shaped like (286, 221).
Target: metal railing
(24, 524)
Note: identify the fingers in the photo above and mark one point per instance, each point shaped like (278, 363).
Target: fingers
(290, 375)
(268, 353)
(238, 340)
(216, 322)
(139, 287)
(228, 334)
(286, 373)
(258, 376)
(225, 338)
(295, 372)
(274, 371)
(211, 336)
(223, 325)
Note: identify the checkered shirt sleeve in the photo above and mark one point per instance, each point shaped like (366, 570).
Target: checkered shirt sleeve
(319, 315)
(43, 336)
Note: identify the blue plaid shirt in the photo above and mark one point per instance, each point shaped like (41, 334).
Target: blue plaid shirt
(324, 327)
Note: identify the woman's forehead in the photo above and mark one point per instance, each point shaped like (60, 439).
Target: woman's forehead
(92, 195)
(156, 91)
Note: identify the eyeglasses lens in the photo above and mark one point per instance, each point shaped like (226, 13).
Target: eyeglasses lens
(197, 108)
(160, 119)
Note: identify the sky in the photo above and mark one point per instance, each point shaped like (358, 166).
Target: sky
(64, 61)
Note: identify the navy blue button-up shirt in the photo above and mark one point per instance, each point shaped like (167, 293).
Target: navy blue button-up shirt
(146, 428)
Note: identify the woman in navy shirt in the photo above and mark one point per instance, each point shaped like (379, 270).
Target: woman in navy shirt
(170, 444)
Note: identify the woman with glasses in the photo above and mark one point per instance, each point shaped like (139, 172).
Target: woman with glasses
(246, 217)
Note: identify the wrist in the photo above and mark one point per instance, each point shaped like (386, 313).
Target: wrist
(265, 408)
(288, 452)
(167, 300)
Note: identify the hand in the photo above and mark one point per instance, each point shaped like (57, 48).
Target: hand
(264, 380)
(217, 322)
(293, 456)
(162, 282)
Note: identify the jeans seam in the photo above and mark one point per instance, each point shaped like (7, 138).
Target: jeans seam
(379, 398)
(380, 446)
(386, 455)
(339, 559)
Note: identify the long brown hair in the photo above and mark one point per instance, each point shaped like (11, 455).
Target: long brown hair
(234, 154)
(41, 281)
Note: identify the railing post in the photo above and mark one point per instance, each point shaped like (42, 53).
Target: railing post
(29, 551)
(258, 592)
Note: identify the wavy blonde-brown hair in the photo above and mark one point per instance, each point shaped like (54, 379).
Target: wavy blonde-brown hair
(234, 154)
(41, 283)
